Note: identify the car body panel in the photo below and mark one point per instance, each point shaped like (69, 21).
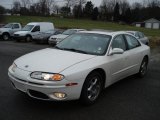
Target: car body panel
(10, 31)
(75, 67)
(50, 57)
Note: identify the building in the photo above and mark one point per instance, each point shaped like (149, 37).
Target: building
(151, 23)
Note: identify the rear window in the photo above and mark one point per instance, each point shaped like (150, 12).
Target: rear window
(132, 42)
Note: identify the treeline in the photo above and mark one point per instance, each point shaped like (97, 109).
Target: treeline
(109, 10)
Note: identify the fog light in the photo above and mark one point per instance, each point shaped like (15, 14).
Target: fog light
(60, 95)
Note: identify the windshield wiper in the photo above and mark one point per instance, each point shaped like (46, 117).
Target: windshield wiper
(75, 50)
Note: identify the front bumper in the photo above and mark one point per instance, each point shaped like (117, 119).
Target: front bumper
(51, 42)
(45, 89)
(40, 40)
(19, 37)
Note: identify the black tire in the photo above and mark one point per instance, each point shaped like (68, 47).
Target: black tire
(5, 36)
(143, 67)
(28, 38)
(91, 89)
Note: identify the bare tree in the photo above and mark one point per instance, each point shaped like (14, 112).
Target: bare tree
(50, 4)
(16, 7)
(25, 3)
(70, 3)
(137, 5)
(56, 9)
(124, 5)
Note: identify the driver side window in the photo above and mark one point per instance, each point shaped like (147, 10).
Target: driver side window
(119, 42)
(36, 29)
(15, 26)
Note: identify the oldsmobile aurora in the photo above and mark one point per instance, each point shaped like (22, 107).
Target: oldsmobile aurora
(80, 66)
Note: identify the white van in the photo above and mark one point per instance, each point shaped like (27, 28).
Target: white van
(32, 29)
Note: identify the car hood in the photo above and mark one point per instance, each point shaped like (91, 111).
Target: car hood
(50, 60)
(59, 36)
(21, 32)
(5, 29)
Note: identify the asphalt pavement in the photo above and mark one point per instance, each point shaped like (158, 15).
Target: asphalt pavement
(129, 99)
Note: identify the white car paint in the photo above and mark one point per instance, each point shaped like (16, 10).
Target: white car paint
(54, 39)
(140, 36)
(75, 67)
(44, 26)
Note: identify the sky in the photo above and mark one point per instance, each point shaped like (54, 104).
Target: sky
(7, 3)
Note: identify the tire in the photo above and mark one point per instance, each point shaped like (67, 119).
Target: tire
(5, 36)
(91, 89)
(28, 38)
(143, 67)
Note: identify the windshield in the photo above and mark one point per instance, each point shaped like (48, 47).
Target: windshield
(8, 26)
(87, 43)
(69, 32)
(28, 28)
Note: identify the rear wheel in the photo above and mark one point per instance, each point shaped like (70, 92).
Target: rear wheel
(6, 36)
(91, 88)
(143, 68)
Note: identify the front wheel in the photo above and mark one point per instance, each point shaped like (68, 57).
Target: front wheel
(6, 36)
(143, 68)
(28, 38)
(91, 88)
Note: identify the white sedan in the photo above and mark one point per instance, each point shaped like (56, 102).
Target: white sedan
(80, 66)
(54, 39)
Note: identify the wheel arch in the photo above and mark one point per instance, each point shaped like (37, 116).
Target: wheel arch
(101, 72)
(147, 57)
(29, 35)
(6, 33)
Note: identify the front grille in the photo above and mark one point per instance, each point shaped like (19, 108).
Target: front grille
(38, 95)
(54, 39)
(16, 35)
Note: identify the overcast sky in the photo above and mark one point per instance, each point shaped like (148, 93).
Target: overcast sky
(7, 3)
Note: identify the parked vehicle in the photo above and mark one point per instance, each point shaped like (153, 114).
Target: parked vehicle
(43, 37)
(80, 66)
(32, 29)
(140, 36)
(53, 40)
(7, 31)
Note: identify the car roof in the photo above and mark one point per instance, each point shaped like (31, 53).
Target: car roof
(105, 33)
(77, 29)
(13, 23)
(37, 23)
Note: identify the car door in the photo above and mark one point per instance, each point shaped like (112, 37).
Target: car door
(118, 62)
(15, 28)
(135, 54)
(35, 31)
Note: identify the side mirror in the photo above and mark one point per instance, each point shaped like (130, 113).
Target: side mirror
(116, 51)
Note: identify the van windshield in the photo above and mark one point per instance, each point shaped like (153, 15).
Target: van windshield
(28, 28)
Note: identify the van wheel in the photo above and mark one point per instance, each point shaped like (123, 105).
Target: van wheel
(6, 36)
(91, 88)
(143, 67)
(28, 38)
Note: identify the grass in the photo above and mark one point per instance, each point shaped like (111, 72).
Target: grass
(65, 23)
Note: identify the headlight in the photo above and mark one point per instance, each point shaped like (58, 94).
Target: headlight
(47, 76)
(13, 67)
